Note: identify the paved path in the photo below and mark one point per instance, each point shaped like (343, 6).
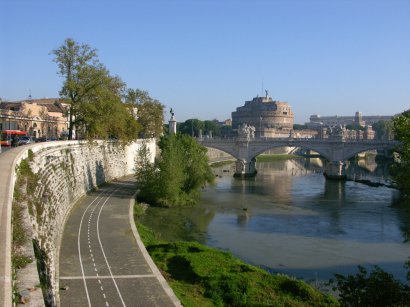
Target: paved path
(102, 262)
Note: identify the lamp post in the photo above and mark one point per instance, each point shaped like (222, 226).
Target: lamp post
(260, 126)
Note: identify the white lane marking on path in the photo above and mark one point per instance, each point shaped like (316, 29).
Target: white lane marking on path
(108, 277)
(102, 249)
(89, 244)
(79, 248)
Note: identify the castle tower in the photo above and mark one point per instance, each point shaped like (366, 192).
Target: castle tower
(265, 114)
(358, 119)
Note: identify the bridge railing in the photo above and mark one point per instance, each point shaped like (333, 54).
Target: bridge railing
(305, 139)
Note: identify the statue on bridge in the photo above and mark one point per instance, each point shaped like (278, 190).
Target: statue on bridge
(246, 131)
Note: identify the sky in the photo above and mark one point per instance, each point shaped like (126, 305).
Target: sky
(206, 58)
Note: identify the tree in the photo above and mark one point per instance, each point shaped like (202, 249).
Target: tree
(146, 174)
(178, 174)
(299, 127)
(400, 170)
(379, 288)
(72, 60)
(95, 97)
(149, 112)
(191, 127)
(101, 113)
(384, 129)
(354, 127)
(212, 127)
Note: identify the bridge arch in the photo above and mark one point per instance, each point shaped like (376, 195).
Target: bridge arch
(354, 151)
(229, 151)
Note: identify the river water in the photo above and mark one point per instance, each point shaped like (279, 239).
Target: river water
(289, 219)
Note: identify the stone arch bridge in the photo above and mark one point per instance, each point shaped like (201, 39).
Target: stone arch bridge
(335, 151)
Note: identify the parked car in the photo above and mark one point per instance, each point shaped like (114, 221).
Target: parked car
(41, 139)
(24, 140)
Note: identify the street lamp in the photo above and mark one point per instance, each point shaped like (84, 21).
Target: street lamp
(260, 126)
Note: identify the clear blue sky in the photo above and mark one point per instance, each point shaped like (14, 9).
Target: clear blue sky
(205, 58)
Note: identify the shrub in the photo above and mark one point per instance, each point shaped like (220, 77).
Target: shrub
(377, 289)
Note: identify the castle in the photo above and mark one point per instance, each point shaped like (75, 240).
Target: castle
(270, 118)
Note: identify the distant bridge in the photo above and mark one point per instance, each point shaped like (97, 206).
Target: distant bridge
(335, 151)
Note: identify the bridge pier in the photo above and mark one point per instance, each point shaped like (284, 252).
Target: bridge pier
(245, 169)
(335, 170)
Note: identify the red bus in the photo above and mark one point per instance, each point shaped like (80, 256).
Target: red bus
(6, 136)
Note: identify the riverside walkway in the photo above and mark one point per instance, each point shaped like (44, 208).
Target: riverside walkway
(102, 261)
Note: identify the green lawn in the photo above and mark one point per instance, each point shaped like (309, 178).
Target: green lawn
(203, 276)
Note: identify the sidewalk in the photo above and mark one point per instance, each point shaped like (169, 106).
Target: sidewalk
(7, 165)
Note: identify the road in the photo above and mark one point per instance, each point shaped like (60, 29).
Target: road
(100, 262)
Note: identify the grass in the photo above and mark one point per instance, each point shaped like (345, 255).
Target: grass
(19, 234)
(20, 261)
(267, 158)
(203, 276)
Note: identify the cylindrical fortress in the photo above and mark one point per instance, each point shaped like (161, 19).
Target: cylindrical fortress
(264, 114)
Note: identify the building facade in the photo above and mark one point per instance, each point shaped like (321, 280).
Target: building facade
(269, 117)
(38, 117)
(357, 119)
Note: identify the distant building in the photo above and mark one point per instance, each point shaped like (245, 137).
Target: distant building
(38, 117)
(341, 133)
(269, 117)
(357, 119)
(227, 122)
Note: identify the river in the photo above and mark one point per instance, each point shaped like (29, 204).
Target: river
(290, 219)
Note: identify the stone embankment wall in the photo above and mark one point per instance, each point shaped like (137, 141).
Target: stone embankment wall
(64, 172)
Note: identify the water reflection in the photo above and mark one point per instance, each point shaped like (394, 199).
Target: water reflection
(290, 219)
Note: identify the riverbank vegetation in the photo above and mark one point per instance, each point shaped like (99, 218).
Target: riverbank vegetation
(203, 276)
(376, 288)
(401, 169)
(177, 175)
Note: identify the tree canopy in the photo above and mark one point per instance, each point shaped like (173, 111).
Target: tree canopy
(208, 127)
(95, 96)
(384, 129)
(149, 112)
(377, 288)
(177, 175)
(400, 170)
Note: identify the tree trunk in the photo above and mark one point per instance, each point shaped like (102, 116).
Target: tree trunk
(70, 126)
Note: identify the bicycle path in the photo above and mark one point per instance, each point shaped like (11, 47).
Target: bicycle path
(102, 261)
